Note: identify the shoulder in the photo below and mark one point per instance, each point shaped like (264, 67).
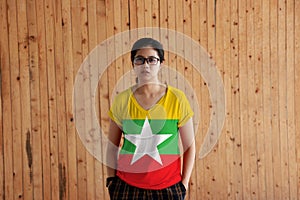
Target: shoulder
(122, 95)
(179, 94)
(121, 100)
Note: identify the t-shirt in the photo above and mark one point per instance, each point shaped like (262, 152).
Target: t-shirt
(150, 157)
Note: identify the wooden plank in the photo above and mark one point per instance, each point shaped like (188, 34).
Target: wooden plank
(4, 29)
(219, 59)
(196, 84)
(266, 64)
(290, 63)
(44, 112)
(188, 68)
(25, 96)
(126, 46)
(3, 61)
(155, 4)
(258, 76)
(79, 182)
(119, 69)
(102, 102)
(187, 48)
(133, 19)
(156, 16)
(297, 89)
(93, 20)
(82, 154)
(236, 170)
(282, 101)
(52, 105)
(35, 100)
(202, 168)
(89, 38)
(62, 138)
(228, 82)
(160, 16)
(6, 114)
(168, 20)
(275, 99)
(92, 42)
(250, 136)
(15, 100)
(71, 179)
(110, 79)
(243, 74)
(111, 47)
(179, 40)
(212, 176)
(249, 144)
(147, 10)
(228, 129)
(140, 14)
(3, 25)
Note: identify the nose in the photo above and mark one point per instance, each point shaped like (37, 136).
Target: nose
(146, 65)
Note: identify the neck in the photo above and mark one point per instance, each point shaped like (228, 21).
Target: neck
(147, 82)
(149, 87)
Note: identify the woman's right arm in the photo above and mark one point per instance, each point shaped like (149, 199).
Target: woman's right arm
(114, 137)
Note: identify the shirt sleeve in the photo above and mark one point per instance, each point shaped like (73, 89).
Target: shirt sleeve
(116, 109)
(186, 111)
(119, 108)
(113, 114)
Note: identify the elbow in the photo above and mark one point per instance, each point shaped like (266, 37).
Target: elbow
(191, 149)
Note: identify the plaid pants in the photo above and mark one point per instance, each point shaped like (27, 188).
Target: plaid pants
(120, 190)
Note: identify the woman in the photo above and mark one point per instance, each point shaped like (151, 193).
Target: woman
(153, 118)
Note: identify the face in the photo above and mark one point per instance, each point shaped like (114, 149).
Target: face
(148, 71)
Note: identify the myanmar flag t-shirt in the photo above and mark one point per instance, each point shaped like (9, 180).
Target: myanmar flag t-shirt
(150, 155)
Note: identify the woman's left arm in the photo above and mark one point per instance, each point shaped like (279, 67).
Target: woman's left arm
(188, 142)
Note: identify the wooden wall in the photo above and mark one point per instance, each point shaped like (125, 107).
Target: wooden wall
(255, 44)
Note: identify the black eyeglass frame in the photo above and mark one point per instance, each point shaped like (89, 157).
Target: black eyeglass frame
(148, 60)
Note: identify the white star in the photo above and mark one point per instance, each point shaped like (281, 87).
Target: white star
(146, 143)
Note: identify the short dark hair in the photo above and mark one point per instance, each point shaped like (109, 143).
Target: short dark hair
(148, 42)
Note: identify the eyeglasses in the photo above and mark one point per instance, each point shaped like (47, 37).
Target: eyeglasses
(139, 60)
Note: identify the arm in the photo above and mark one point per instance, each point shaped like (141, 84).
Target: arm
(188, 142)
(114, 137)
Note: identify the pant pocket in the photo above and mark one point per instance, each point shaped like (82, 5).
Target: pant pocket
(182, 186)
(112, 186)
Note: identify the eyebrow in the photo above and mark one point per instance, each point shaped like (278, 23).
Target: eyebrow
(146, 57)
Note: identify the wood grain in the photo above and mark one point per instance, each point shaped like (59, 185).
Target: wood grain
(254, 43)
